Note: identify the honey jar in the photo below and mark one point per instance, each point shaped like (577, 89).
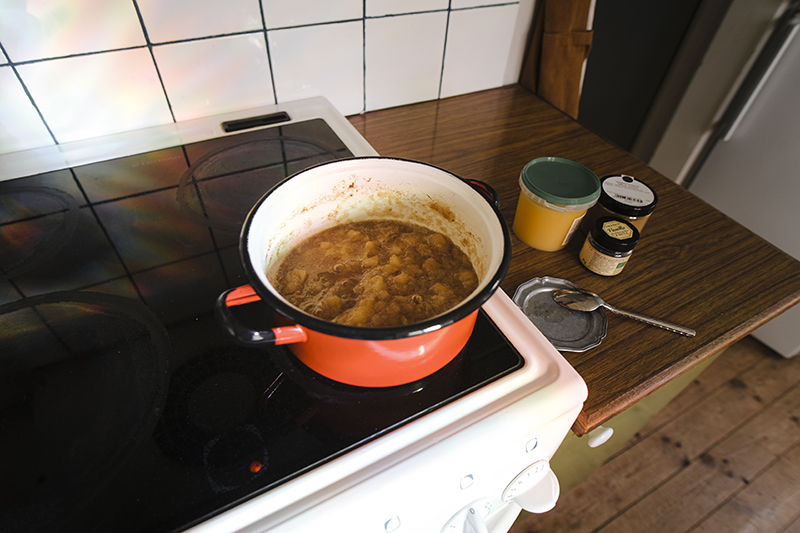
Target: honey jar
(555, 194)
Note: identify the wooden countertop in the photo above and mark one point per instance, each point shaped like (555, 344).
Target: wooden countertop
(693, 265)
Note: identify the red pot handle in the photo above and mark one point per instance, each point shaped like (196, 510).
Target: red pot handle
(245, 336)
(241, 295)
(486, 190)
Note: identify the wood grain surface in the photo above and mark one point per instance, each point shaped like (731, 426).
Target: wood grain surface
(693, 265)
(724, 456)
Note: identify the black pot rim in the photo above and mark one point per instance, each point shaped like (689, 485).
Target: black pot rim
(361, 333)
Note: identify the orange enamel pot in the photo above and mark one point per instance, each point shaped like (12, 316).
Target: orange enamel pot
(356, 189)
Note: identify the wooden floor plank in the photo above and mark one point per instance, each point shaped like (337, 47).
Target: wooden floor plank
(719, 474)
(652, 462)
(705, 423)
(794, 527)
(678, 504)
(736, 360)
(770, 503)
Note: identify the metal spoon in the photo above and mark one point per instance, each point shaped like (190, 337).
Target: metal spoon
(583, 300)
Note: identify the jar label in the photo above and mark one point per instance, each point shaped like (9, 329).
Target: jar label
(599, 263)
(617, 230)
(572, 228)
(627, 190)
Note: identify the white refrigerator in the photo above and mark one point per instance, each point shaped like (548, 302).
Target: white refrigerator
(751, 171)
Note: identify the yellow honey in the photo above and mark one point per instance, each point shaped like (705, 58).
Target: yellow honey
(555, 194)
(544, 227)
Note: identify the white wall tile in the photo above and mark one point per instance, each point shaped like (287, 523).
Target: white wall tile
(461, 4)
(320, 60)
(92, 95)
(21, 127)
(478, 47)
(174, 20)
(316, 47)
(404, 59)
(37, 29)
(213, 76)
(377, 8)
(284, 13)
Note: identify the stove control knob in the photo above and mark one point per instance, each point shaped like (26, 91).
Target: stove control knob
(470, 519)
(535, 489)
(393, 524)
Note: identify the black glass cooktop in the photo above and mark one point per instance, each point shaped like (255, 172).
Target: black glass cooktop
(123, 407)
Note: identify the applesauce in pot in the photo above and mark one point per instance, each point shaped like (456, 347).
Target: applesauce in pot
(376, 273)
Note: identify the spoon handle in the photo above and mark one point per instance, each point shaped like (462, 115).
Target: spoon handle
(653, 321)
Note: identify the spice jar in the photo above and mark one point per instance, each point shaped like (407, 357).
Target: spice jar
(608, 246)
(624, 197)
(555, 194)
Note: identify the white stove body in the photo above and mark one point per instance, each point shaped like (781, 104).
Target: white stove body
(469, 466)
(486, 452)
(72, 154)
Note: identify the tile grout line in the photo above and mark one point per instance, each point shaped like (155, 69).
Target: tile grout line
(153, 58)
(264, 31)
(364, 56)
(22, 84)
(269, 55)
(444, 48)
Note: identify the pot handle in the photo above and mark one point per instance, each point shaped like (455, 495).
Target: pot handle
(486, 190)
(245, 336)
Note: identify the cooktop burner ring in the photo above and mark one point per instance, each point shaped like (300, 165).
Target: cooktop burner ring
(132, 239)
(31, 233)
(75, 422)
(254, 166)
(209, 397)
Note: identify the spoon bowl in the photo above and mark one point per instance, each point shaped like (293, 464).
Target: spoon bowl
(587, 301)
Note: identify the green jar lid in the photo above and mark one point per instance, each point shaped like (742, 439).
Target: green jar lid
(561, 181)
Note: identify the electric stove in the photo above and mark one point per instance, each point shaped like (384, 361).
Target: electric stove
(124, 407)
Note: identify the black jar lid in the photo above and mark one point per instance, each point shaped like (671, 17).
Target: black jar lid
(615, 234)
(627, 196)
